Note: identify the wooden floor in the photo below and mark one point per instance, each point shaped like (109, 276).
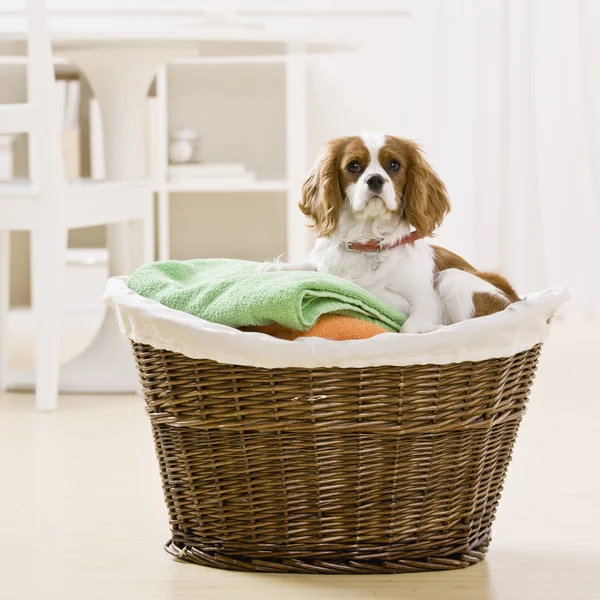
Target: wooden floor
(81, 513)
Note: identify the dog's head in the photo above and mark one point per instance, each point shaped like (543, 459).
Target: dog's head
(374, 176)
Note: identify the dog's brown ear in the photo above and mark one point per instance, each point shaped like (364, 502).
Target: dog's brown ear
(321, 192)
(426, 201)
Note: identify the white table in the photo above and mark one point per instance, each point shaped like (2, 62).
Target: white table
(120, 66)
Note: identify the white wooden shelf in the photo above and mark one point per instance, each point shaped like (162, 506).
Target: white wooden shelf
(220, 185)
(280, 94)
(275, 59)
(21, 61)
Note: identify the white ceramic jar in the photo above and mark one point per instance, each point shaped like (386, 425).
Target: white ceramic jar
(183, 145)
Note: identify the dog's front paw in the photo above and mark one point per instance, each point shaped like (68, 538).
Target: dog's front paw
(412, 325)
(271, 267)
(275, 266)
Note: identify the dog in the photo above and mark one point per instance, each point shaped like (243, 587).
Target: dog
(372, 200)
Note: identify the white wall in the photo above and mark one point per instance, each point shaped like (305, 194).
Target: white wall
(368, 89)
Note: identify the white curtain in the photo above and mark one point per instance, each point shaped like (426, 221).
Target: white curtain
(508, 99)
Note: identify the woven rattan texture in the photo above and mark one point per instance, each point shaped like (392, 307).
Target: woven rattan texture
(374, 470)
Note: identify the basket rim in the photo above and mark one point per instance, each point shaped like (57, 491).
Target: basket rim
(517, 328)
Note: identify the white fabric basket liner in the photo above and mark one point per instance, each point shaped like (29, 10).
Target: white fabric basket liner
(519, 327)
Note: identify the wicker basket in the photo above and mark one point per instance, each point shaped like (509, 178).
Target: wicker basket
(378, 470)
(381, 469)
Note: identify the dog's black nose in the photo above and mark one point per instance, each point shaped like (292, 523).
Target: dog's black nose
(375, 182)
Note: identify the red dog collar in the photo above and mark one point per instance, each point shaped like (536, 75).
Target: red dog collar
(377, 246)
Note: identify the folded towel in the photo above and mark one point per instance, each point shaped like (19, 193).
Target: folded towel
(330, 327)
(237, 293)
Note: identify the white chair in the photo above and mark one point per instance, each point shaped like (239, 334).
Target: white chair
(48, 206)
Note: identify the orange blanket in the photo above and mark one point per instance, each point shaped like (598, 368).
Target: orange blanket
(331, 327)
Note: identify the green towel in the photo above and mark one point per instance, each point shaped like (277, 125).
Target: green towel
(238, 294)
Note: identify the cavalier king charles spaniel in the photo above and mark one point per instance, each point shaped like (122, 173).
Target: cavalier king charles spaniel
(372, 199)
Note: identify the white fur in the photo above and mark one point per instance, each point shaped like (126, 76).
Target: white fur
(364, 203)
(405, 276)
(456, 289)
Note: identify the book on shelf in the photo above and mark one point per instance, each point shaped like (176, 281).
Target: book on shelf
(61, 90)
(97, 163)
(71, 120)
(153, 152)
(71, 130)
(71, 153)
(68, 107)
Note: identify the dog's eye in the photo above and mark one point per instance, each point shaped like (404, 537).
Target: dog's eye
(393, 165)
(354, 167)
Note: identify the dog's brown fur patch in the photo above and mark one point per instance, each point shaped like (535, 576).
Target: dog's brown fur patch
(484, 303)
(488, 304)
(444, 259)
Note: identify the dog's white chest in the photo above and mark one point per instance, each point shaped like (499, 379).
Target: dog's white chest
(369, 270)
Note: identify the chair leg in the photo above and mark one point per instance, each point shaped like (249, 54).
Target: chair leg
(48, 254)
(4, 301)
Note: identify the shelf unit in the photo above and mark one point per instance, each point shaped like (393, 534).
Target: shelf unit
(279, 160)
